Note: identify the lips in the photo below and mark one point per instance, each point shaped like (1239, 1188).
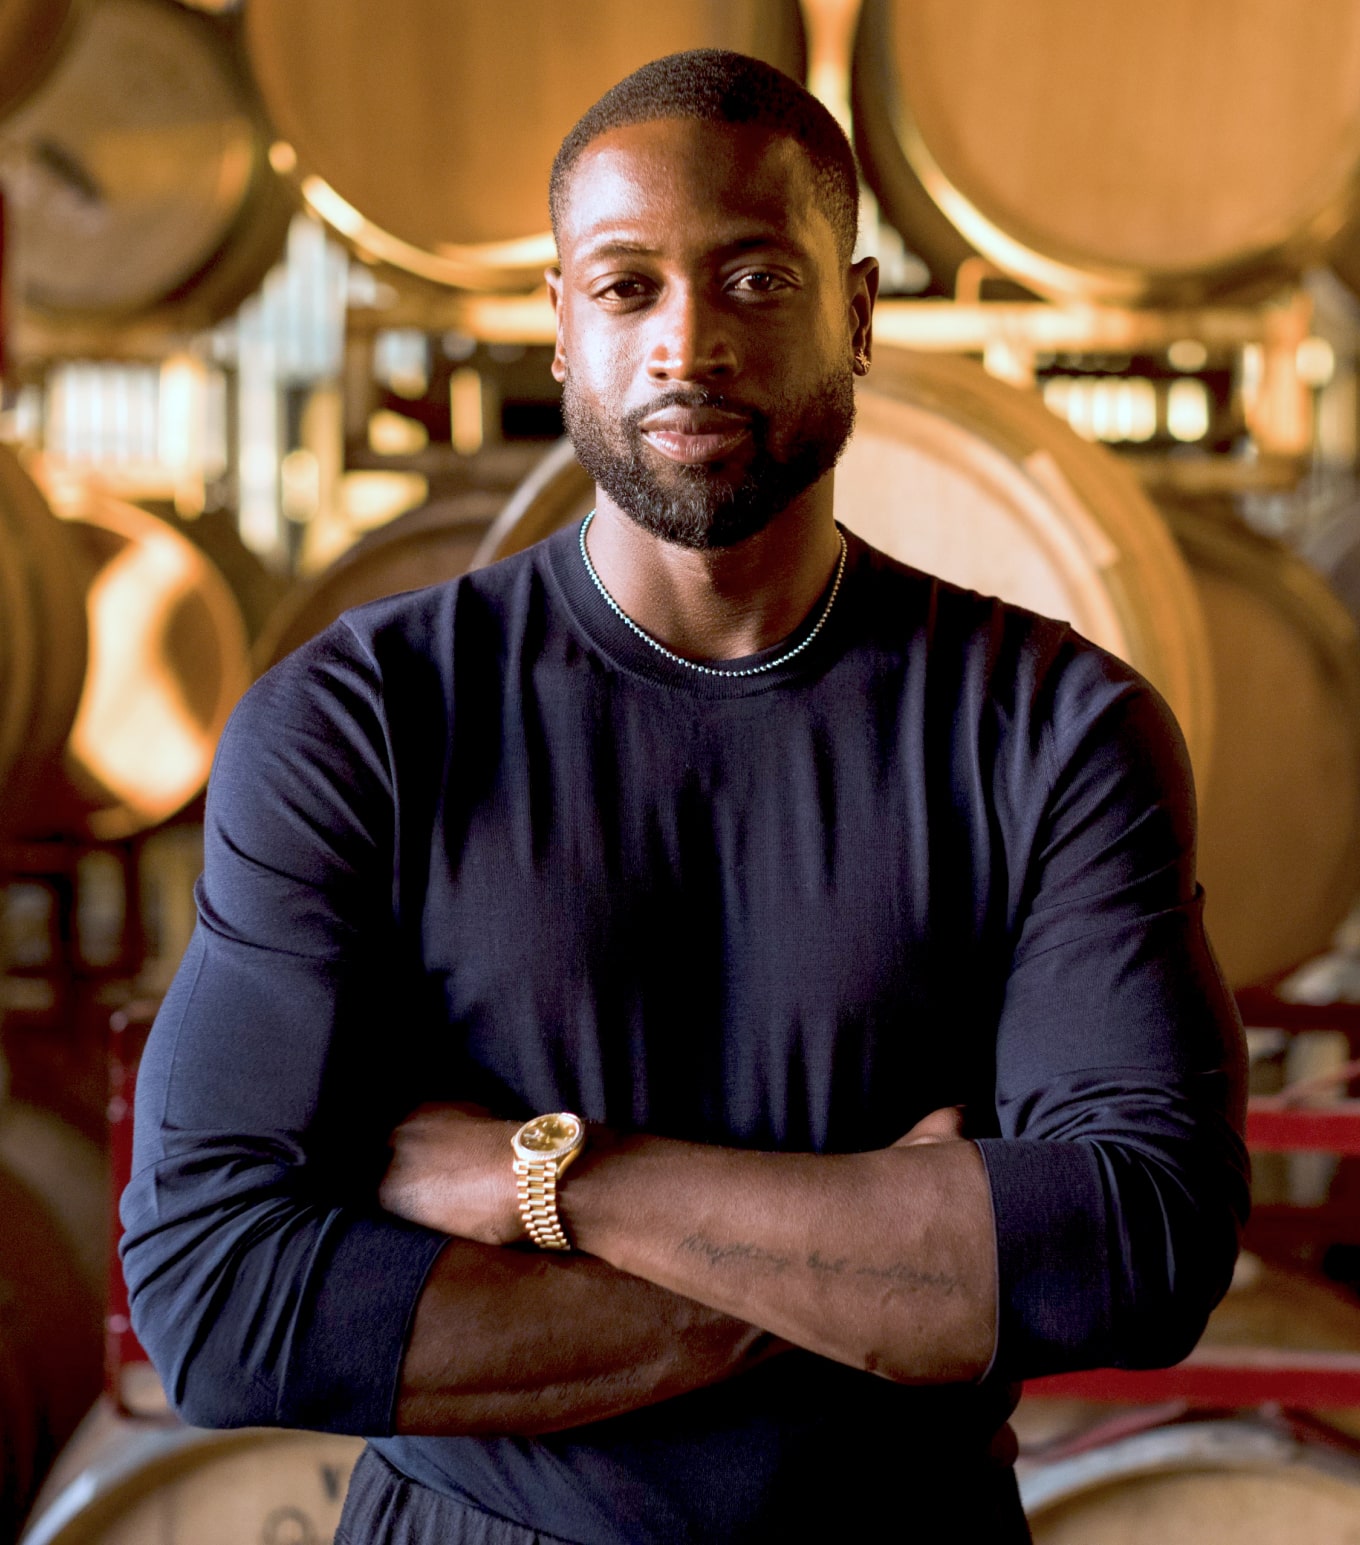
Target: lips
(693, 436)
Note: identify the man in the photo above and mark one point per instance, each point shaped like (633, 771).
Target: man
(763, 854)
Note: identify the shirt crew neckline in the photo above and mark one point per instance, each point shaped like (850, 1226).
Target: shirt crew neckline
(610, 637)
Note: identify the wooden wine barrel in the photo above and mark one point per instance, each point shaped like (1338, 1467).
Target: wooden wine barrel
(1279, 849)
(124, 1482)
(50, 1346)
(1163, 153)
(167, 661)
(424, 130)
(1200, 1483)
(1273, 1306)
(142, 189)
(436, 542)
(32, 36)
(42, 639)
(69, 1173)
(961, 475)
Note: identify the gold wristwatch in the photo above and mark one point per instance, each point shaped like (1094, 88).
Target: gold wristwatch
(543, 1149)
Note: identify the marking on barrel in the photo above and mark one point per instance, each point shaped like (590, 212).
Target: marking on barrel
(288, 1526)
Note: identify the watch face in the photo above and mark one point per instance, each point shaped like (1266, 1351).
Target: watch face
(548, 1135)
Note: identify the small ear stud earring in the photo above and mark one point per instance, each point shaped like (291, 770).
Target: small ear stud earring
(861, 364)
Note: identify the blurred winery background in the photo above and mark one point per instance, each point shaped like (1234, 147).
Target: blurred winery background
(274, 341)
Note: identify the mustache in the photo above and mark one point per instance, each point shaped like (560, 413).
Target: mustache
(677, 398)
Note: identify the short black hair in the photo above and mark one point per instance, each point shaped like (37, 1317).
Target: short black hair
(718, 86)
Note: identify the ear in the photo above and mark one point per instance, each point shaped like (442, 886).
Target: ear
(553, 278)
(861, 282)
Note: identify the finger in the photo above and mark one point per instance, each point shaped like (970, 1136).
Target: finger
(438, 1108)
(940, 1126)
(426, 1120)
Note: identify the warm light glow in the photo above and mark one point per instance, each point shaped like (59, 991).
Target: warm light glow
(1315, 361)
(132, 729)
(1103, 414)
(300, 485)
(1187, 411)
(1121, 411)
(392, 434)
(1079, 405)
(1187, 354)
(1070, 398)
(1113, 409)
(374, 498)
(282, 157)
(180, 418)
(467, 429)
(1056, 391)
(1138, 410)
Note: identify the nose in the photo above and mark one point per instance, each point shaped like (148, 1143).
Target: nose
(693, 339)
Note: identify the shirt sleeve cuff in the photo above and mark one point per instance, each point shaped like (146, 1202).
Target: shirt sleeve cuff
(343, 1367)
(1051, 1215)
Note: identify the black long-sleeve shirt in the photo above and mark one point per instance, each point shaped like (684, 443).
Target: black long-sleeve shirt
(482, 842)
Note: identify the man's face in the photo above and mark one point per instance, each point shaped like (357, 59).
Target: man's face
(705, 325)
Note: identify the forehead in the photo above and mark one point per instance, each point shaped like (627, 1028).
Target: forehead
(673, 180)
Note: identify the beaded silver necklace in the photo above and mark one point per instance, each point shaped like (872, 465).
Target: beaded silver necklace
(709, 670)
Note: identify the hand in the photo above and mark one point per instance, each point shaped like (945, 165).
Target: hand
(450, 1170)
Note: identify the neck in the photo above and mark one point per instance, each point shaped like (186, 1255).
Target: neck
(724, 603)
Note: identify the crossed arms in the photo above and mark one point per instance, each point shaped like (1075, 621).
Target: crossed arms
(689, 1248)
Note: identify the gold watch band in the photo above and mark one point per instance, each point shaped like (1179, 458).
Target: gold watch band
(536, 1184)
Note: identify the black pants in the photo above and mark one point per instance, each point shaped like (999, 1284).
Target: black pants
(384, 1508)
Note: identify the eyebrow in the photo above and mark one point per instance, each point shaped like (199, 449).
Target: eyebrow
(619, 248)
(610, 247)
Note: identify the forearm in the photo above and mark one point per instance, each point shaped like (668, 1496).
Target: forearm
(885, 1260)
(509, 1341)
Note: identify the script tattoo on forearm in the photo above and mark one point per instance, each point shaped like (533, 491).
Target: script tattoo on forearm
(735, 1254)
(899, 1276)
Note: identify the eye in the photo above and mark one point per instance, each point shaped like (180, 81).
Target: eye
(759, 281)
(625, 289)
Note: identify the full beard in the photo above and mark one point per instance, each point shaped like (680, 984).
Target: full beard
(703, 507)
